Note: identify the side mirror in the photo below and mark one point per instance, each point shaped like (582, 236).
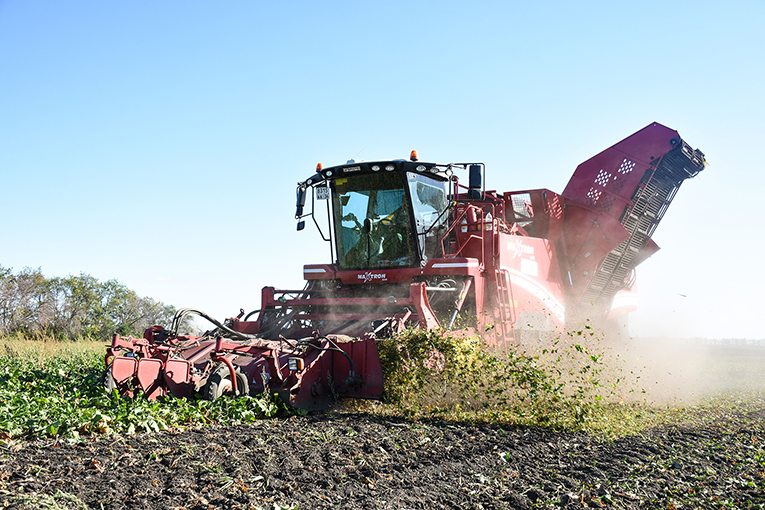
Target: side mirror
(300, 203)
(300, 225)
(475, 181)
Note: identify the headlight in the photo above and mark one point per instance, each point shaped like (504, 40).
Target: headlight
(295, 364)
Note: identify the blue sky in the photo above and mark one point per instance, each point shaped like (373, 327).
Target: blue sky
(159, 143)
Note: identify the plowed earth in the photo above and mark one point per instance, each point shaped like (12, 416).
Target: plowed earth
(360, 461)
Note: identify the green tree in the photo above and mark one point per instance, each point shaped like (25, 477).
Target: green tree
(25, 301)
(75, 306)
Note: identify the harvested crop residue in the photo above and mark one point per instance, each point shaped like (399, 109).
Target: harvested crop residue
(360, 461)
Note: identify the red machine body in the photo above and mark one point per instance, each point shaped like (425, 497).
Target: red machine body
(413, 247)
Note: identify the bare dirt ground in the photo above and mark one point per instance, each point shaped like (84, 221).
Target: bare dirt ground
(353, 461)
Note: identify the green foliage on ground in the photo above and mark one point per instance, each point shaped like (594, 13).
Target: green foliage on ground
(54, 389)
(63, 396)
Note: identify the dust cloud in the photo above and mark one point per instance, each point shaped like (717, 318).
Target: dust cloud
(669, 371)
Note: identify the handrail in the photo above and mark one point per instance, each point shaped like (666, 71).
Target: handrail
(470, 237)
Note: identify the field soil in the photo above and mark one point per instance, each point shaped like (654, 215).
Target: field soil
(359, 461)
(715, 459)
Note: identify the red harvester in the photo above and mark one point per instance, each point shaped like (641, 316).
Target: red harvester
(414, 247)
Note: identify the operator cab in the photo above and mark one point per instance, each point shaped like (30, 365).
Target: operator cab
(384, 214)
(386, 219)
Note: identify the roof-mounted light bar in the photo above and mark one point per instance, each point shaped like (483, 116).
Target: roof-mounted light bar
(353, 167)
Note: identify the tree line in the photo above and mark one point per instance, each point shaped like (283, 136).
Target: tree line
(74, 307)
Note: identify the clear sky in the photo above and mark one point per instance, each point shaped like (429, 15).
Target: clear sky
(159, 143)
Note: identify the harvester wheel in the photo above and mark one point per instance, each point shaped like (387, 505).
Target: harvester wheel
(219, 383)
(107, 379)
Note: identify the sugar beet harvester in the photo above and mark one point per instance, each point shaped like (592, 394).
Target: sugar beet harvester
(413, 247)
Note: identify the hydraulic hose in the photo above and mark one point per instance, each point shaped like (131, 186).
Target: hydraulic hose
(182, 313)
(308, 342)
(279, 324)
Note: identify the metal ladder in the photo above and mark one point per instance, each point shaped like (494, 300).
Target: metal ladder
(505, 303)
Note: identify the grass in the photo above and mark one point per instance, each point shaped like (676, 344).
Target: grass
(46, 347)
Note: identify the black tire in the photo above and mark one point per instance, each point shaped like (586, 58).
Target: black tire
(107, 380)
(219, 383)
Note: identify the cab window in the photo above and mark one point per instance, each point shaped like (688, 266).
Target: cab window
(373, 222)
